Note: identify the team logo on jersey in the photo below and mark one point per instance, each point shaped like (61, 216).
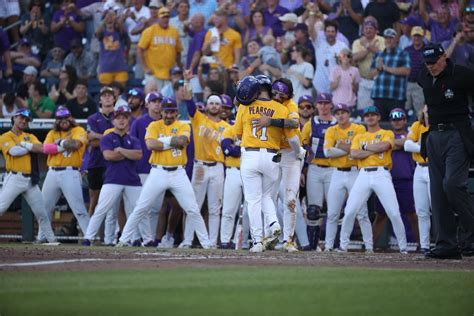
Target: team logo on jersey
(174, 130)
(221, 128)
(448, 94)
(26, 138)
(350, 133)
(378, 136)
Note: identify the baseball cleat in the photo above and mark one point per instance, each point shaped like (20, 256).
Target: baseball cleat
(290, 246)
(369, 251)
(122, 244)
(328, 250)
(443, 255)
(86, 242)
(404, 252)
(271, 241)
(257, 247)
(54, 243)
(340, 250)
(306, 248)
(184, 246)
(166, 242)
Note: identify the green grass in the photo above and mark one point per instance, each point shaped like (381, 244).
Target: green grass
(235, 290)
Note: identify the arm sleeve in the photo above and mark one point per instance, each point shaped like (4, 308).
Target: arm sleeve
(136, 143)
(334, 152)
(145, 39)
(134, 129)
(49, 138)
(17, 151)
(186, 131)
(229, 149)
(305, 133)
(411, 146)
(191, 108)
(80, 135)
(238, 128)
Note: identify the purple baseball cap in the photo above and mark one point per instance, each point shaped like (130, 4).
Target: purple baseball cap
(25, 113)
(137, 92)
(302, 27)
(324, 98)
(306, 98)
(340, 107)
(176, 70)
(280, 87)
(226, 101)
(62, 112)
(397, 114)
(153, 96)
(168, 104)
(122, 109)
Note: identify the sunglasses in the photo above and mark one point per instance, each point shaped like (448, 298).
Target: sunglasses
(305, 107)
(397, 116)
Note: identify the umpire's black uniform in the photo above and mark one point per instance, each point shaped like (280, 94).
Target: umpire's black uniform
(449, 146)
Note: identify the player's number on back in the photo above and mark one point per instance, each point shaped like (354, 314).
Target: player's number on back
(262, 132)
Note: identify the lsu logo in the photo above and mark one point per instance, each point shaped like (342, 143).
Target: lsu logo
(378, 136)
(221, 128)
(26, 138)
(350, 133)
(174, 130)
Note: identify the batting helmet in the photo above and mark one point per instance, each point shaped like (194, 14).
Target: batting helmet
(313, 212)
(248, 90)
(265, 82)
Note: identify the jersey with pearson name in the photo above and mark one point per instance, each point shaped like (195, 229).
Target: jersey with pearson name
(67, 158)
(229, 160)
(417, 129)
(207, 135)
(383, 159)
(173, 156)
(293, 114)
(335, 135)
(21, 163)
(267, 137)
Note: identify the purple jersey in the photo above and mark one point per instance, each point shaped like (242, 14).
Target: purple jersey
(123, 172)
(272, 20)
(403, 165)
(318, 130)
(66, 34)
(97, 123)
(138, 130)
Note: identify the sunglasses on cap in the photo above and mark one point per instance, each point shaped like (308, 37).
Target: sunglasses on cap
(25, 113)
(106, 89)
(397, 115)
(133, 92)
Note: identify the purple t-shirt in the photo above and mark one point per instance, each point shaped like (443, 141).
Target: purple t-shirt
(416, 62)
(138, 130)
(271, 20)
(66, 34)
(84, 3)
(195, 46)
(123, 172)
(439, 33)
(112, 52)
(97, 123)
(403, 165)
(463, 54)
(4, 46)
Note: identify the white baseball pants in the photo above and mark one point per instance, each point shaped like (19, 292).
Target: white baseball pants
(341, 184)
(259, 175)
(69, 183)
(209, 180)
(153, 193)
(231, 203)
(153, 210)
(380, 182)
(422, 196)
(318, 180)
(16, 184)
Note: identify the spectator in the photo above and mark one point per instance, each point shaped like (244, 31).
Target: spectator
(459, 49)
(232, 81)
(257, 28)
(81, 60)
(175, 74)
(326, 49)
(66, 25)
(405, 38)
(249, 59)
(6, 67)
(363, 51)
(390, 68)
(268, 54)
(29, 77)
(9, 13)
(234, 16)
(81, 106)
(415, 97)
(9, 106)
(113, 44)
(195, 47)
(348, 14)
(35, 27)
(345, 80)
(64, 90)
(52, 68)
(205, 7)
(118, 90)
(302, 38)
(385, 12)
(289, 22)
(301, 73)
(443, 28)
(40, 105)
(159, 49)
(222, 41)
(271, 14)
(24, 57)
(215, 78)
(181, 23)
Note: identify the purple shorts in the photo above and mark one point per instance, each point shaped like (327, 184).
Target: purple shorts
(404, 191)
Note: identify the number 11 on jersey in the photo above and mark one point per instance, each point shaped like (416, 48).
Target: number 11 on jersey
(263, 133)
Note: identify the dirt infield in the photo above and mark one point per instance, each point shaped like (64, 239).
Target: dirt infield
(24, 257)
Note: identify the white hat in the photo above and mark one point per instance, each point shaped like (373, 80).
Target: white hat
(155, 4)
(214, 99)
(30, 70)
(289, 17)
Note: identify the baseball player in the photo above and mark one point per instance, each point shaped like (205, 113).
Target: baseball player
(97, 124)
(226, 108)
(259, 164)
(121, 152)
(337, 144)
(65, 144)
(208, 170)
(136, 102)
(167, 139)
(421, 180)
(138, 130)
(22, 175)
(372, 150)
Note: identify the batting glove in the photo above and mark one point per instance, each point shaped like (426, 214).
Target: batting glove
(26, 145)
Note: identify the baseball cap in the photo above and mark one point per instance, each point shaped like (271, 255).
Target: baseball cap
(397, 114)
(168, 104)
(106, 89)
(214, 99)
(24, 41)
(305, 98)
(417, 30)
(340, 107)
(153, 96)
(154, 4)
(390, 33)
(30, 70)
(371, 109)
(289, 17)
(122, 109)
(163, 12)
(371, 23)
(301, 27)
(432, 52)
(324, 98)
(25, 113)
(226, 101)
(136, 92)
(62, 112)
(176, 70)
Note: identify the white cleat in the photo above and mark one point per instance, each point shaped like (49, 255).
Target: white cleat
(166, 243)
(184, 246)
(290, 247)
(258, 247)
(122, 244)
(340, 250)
(54, 243)
(271, 241)
(328, 250)
(404, 252)
(369, 251)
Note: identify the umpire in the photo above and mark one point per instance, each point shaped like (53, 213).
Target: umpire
(450, 147)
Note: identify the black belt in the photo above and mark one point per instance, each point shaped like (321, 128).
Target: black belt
(26, 175)
(373, 169)
(423, 164)
(344, 169)
(269, 150)
(323, 166)
(233, 167)
(208, 164)
(165, 168)
(63, 168)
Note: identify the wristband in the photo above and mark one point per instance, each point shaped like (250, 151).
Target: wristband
(277, 122)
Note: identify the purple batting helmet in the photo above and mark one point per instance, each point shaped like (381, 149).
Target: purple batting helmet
(397, 114)
(248, 90)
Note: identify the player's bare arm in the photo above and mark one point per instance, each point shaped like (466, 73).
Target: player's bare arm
(112, 155)
(132, 154)
(344, 146)
(179, 142)
(379, 147)
(70, 144)
(360, 154)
